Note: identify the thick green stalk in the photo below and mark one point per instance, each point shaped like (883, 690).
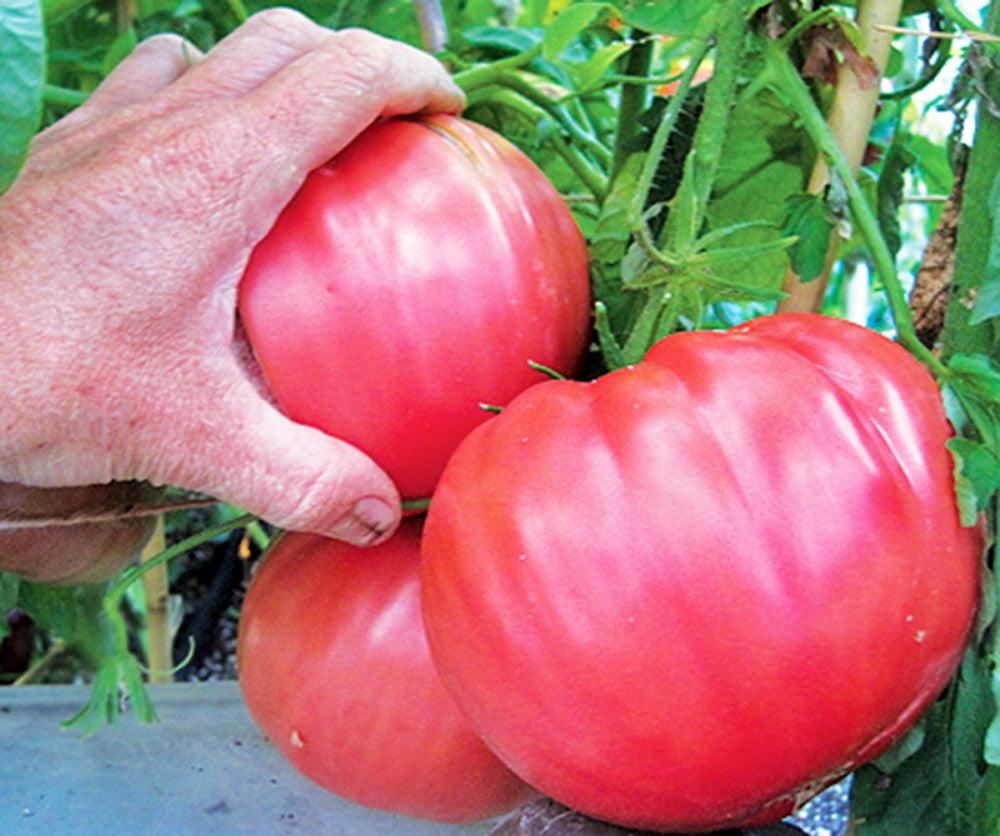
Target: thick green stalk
(633, 98)
(687, 210)
(600, 152)
(784, 75)
(113, 597)
(63, 97)
(487, 74)
(657, 147)
(976, 227)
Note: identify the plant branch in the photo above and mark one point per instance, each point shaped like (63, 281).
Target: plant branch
(577, 132)
(784, 75)
(951, 11)
(636, 221)
(31, 675)
(63, 97)
(486, 74)
(113, 597)
(687, 209)
(850, 121)
(633, 98)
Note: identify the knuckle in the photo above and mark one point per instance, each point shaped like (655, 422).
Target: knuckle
(163, 42)
(368, 57)
(278, 22)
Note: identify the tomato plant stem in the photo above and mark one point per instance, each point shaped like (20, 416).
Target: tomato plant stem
(600, 152)
(113, 597)
(62, 96)
(637, 223)
(687, 209)
(788, 83)
(486, 74)
(633, 97)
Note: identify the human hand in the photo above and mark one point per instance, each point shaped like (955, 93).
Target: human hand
(124, 239)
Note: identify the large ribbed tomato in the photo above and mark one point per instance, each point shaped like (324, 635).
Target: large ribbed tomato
(689, 594)
(412, 278)
(335, 670)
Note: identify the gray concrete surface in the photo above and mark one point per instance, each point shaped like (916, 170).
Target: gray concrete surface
(204, 769)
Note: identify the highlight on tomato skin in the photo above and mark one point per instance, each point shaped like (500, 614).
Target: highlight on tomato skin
(335, 670)
(722, 578)
(412, 278)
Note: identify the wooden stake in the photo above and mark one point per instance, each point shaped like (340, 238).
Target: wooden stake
(850, 119)
(157, 589)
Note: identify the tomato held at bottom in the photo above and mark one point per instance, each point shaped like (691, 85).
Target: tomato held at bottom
(335, 670)
(720, 579)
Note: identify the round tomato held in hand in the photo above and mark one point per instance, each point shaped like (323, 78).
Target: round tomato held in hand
(720, 579)
(335, 670)
(411, 279)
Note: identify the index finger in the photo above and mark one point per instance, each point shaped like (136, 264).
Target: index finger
(312, 108)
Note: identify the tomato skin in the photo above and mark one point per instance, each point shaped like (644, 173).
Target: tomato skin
(410, 280)
(336, 671)
(721, 578)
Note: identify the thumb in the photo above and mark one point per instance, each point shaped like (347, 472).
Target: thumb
(291, 475)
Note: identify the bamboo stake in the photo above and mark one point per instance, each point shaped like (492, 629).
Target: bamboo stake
(850, 119)
(157, 589)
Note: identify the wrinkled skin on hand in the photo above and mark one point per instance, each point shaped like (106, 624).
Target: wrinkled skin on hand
(121, 246)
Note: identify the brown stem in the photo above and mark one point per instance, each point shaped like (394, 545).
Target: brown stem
(850, 120)
(32, 674)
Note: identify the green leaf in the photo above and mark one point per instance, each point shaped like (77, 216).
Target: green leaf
(569, 23)
(766, 159)
(979, 375)
(9, 588)
(682, 18)
(588, 73)
(52, 607)
(810, 223)
(901, 751)
(22, 76)
(723, 256)
(988, 298)
(942, 789)
(977, 476)
(609, 243)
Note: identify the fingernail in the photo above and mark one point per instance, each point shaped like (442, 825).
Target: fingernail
(373, 518)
